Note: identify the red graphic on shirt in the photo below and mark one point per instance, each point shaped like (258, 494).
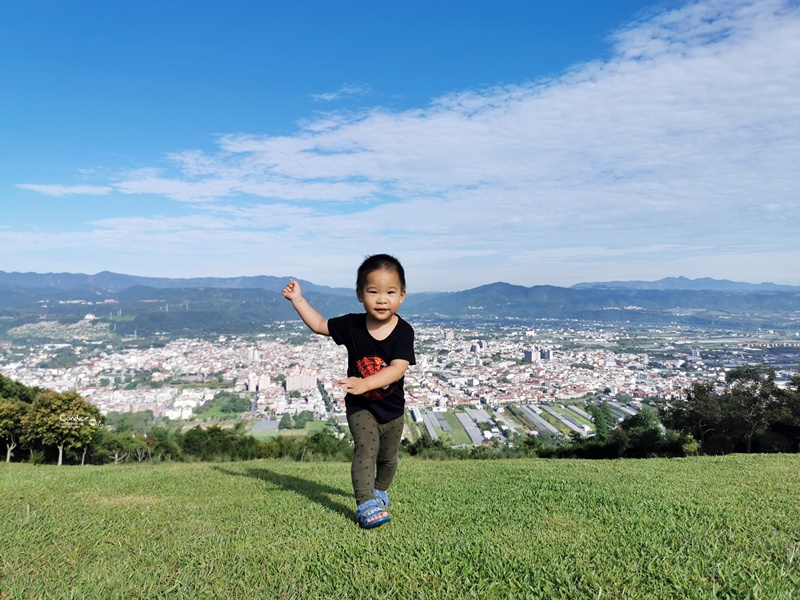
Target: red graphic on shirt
(369, 365)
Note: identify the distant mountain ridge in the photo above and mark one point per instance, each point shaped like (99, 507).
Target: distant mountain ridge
(116, 282)
(683, 283)
(247, 304)
(506, 300)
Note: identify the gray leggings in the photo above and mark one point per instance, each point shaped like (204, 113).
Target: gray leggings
(376, 453)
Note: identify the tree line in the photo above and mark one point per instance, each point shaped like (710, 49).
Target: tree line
(748, 412)
(751, 413)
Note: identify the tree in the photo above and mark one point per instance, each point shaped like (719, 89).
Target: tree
(285, 422)
(644, 433)
(619, 442)
(137, 422)
(233, 403)
(212, 443)
(323, 443)
(325, 395)
(141, 447)
(197, 442)
(603, 421)
(269, 449)
(166, 442)
(64, 420)
(531, 444)
(751, 398)
(303, 417)
(425, 447)
(11, 413)
(114, 445)
(11, 389)
(698, 413)
(790, 407)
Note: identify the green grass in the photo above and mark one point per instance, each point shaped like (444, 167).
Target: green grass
(531, 528)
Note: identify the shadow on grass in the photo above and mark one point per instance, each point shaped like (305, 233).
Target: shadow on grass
(314, 491)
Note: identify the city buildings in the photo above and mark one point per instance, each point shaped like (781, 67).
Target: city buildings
(455, 367)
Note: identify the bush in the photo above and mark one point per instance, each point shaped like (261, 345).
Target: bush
(269, 449)
(718, 443)
(677, 444)
(36, 457)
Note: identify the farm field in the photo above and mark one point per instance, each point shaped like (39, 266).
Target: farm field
(703, 527)
(458, 436)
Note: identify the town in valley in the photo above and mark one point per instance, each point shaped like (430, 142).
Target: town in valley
(475, 382)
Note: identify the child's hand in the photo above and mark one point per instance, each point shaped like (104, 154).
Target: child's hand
(353, 385)
(292, 291)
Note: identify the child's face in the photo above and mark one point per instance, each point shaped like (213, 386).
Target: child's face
(382, 294)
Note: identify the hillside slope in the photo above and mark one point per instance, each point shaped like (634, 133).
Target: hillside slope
(689, 528)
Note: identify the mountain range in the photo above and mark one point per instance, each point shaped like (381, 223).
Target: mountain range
(683, 283)
(115, 282)
(242, 304)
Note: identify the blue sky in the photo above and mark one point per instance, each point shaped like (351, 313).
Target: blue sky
(512, 140)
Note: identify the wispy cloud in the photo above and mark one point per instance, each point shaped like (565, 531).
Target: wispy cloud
(67, 190)
(346, 91)
(684, 143)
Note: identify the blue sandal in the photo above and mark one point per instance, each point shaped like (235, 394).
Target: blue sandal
(382, 497)
(367, 513)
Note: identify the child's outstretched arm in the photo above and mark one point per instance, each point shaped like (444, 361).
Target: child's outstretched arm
(310, 316)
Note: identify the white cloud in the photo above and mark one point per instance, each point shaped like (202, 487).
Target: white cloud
(675, 153)
(345, 91)
(67, 190)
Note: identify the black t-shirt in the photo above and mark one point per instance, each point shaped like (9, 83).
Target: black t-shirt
(366, 356)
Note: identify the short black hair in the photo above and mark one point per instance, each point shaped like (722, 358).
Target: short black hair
(377, 262)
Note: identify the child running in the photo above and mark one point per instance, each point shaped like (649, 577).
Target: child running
(380, 348)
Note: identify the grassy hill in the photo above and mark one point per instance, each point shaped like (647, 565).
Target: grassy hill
(683, 528)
